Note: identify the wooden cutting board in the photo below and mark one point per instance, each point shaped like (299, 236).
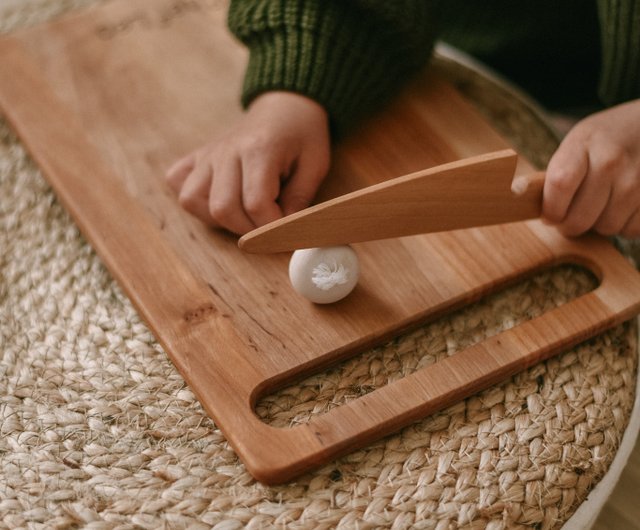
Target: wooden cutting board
(106, 99)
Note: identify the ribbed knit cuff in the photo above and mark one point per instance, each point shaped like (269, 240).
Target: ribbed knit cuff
(328, 51)
(620, 34)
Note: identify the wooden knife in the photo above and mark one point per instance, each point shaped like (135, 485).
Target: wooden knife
(474, 191)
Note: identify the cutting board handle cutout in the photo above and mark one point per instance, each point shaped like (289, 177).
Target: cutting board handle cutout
(387, 409)
(591, 282)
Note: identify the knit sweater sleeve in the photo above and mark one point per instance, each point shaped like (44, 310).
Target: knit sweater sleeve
(620, 44)
(349, 55)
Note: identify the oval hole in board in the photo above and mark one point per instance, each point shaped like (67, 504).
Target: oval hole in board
(299, 402)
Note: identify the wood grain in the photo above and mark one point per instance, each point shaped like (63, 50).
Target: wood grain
(471, 192)
(106, 99)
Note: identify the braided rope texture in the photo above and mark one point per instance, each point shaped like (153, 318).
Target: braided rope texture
(99, 431)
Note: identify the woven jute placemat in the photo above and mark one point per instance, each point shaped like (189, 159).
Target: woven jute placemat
(98, 430)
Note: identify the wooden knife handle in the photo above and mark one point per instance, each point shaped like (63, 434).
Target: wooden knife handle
(529, 187)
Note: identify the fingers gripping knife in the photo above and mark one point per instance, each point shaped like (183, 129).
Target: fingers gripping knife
(471, 192)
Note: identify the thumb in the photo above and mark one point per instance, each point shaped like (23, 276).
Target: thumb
(566, 171)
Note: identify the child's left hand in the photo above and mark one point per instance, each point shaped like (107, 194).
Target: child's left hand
(593, 179)
(268, 165)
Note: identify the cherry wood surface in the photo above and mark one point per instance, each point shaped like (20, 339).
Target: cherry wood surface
(106, 99)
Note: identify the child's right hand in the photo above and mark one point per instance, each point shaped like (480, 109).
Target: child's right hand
(593, 179)
(271, 164)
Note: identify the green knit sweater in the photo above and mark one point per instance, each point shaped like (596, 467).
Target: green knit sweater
(353, 55)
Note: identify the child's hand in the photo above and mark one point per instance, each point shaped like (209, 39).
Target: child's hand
(269, 165)
(593, 179)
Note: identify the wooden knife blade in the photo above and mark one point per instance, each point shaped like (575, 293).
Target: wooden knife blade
(474, 191)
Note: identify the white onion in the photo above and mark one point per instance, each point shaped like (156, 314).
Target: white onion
(324, 275)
